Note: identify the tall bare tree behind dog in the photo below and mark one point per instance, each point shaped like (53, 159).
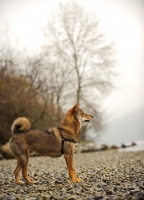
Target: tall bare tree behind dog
(76, 65)
(86, 60)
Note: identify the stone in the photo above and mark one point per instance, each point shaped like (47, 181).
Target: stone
(72, 197)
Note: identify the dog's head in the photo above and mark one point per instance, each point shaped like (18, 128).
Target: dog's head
(80, 115)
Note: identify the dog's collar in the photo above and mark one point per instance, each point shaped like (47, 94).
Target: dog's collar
(64, 140)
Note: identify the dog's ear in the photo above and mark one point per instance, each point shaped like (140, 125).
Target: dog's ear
(75, 108)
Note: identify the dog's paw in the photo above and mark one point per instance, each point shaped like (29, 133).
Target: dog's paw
(79, 180)
(76, 180)
(20, 182)
(31, 182)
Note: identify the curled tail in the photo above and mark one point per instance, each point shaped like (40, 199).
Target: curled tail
(20, 125)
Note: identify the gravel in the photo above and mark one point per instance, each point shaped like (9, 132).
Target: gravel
(106, 175)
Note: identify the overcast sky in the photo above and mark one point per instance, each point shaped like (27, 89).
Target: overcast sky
(122, 20)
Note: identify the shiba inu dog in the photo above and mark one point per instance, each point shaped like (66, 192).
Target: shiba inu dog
(53, 142)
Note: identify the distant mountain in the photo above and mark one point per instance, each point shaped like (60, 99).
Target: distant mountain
(129, 128)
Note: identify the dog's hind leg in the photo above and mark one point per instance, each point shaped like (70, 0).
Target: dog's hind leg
(17, 170)
(24, 163)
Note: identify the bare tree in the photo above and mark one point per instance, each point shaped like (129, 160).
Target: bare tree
(87, 67)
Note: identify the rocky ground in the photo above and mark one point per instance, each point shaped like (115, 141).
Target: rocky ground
(106, 175)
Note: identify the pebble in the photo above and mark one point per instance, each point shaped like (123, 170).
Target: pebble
(105, 175)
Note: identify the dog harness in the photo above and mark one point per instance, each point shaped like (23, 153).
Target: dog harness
(64, 140)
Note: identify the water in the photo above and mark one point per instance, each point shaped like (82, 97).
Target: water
(139, 147)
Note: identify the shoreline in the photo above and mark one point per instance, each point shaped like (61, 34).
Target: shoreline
(106, 175)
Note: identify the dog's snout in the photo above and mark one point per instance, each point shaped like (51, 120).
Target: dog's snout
(92, 116)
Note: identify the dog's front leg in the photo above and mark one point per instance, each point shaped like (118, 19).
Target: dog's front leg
(71, 169)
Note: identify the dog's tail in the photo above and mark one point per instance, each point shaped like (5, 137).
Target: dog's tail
(20, 125)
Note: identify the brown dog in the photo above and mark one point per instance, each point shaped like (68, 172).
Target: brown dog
(52, 142)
